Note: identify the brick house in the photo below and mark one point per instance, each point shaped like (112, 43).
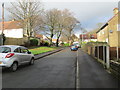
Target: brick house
(110, 32)
(88, 37)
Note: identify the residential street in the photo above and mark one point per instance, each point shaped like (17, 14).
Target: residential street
(59, 71)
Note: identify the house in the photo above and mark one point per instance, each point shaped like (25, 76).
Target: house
(14, 33)
(12, 29)
(88, 37)
(110, 32)
(39, 36)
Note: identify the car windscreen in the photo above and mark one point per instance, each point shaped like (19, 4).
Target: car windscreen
(5, 49)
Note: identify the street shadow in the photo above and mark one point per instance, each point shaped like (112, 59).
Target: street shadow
(21, 67)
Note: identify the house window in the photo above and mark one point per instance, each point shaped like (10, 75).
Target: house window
(99, 34)
(102, 32)
(118, 27)
(106, 40)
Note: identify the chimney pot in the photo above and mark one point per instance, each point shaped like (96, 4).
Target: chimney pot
(115, 11)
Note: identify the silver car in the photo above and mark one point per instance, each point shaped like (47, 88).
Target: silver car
(12, 56)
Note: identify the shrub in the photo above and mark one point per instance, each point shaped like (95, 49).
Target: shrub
(34, 42)
(46, 44)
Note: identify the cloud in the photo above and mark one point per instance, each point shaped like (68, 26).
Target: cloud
(88, 12)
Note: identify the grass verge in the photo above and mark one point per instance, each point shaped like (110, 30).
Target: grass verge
(39, 50)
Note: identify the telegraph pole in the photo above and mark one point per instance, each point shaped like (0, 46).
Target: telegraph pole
(2, 18)
(2, 42)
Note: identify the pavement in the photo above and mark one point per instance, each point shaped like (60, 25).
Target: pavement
(93, 75)
(58, 70)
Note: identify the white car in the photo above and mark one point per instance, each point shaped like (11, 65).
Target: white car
(12, 56)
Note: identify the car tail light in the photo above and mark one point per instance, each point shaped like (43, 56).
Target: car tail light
(9, 55)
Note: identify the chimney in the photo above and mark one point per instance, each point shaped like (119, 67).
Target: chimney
(115, 11)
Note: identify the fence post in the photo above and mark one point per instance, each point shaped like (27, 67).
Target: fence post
(117, 53)
(104, 55)
(107, 58)
(98, 52)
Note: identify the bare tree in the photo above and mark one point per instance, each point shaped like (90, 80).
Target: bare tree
(61, 24)
(56, 22)
(66, 23)
(71, 24)
(27, 13)
(50, 21)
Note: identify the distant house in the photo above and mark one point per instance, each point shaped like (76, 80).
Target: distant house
(88, 37)
(14, 33)
(39, 36)
(110, 32)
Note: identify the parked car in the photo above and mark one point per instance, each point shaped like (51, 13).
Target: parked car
(11, 56)
(77, 44)
(74, 48)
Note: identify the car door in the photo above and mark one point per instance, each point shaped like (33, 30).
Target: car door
(18, 54)
(25, 56)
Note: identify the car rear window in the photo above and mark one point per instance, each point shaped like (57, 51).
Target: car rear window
(5, 49)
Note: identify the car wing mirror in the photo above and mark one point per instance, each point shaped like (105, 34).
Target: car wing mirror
(29, 52)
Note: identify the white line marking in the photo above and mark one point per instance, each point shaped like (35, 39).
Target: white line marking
(77, 74)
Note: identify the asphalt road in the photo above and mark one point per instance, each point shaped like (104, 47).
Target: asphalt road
(59, 71)
(54, 71)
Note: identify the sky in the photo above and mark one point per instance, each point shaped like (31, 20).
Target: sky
(88, 12)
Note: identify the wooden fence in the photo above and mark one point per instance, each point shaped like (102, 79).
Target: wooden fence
(113, 53)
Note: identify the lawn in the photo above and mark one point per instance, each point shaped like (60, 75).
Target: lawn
(39, 50)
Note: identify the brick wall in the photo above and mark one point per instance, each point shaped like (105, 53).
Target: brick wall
(15, 41)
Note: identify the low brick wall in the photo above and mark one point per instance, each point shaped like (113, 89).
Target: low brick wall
(15, 41)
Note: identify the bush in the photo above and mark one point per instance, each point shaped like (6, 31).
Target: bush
(46, 44)
(34, 42)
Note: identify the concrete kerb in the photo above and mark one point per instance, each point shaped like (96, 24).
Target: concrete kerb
(38, 56)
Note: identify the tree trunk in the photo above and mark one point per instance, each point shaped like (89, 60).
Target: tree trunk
(57, 42)
(28, 41)
(51, 42)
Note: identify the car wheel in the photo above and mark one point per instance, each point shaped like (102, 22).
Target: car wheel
(32, 61)
(14, 67)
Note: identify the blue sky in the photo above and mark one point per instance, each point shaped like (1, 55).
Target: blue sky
(88, 12)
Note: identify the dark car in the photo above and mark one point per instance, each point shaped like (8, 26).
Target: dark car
(74, 48)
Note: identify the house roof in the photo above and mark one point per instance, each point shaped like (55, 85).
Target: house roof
(102, 27)
(10, 25)
(108, 21)
(39, 35)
